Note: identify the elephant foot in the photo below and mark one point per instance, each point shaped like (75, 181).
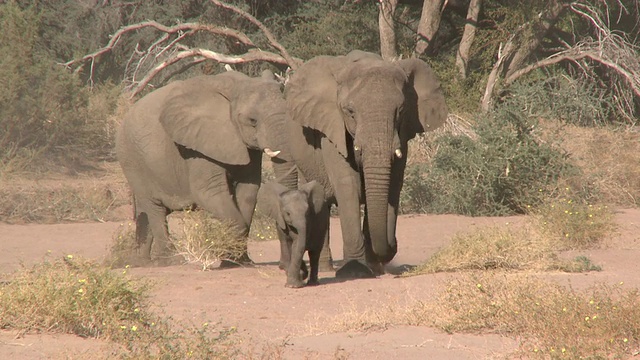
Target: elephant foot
(377, 268)
(325, 266)
(355, 269)
(241, 261)
(294, 284)
(313, 282)
(170, 260)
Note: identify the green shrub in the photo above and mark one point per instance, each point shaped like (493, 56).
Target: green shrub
(504, 169)
(559, 97)
(45, 111)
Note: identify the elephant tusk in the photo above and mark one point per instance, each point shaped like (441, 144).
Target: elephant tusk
(399, 153)
(271, 153)
(356, 148)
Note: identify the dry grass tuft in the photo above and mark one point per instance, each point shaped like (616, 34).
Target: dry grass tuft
(263, 228)
(206, 240)
(76, 296)
(610, 160)
(549, 319)
(97, 197)
(493, 247)
(573, 224)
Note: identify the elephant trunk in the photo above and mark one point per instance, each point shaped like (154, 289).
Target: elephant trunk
(377, 181)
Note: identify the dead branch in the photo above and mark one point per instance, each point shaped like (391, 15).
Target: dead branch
(201, 55)
(614, 53)
(167, 49)
(168, 30)
(293, 63)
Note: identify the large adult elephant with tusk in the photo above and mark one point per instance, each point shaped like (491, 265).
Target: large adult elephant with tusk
(350, 118)
(199, 142)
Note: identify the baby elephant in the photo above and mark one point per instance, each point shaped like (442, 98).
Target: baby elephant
(302, 217)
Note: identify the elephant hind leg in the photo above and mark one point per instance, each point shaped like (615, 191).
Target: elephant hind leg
(151, 228)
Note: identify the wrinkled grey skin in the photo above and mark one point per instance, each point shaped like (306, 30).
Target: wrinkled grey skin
(350, 120)
(302, 217)
(198, 142)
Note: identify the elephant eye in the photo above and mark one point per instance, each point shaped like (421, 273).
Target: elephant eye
(253, 121)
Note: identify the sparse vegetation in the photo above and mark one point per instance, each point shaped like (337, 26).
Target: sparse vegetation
(574, 224)
(51, 201)
(76, 296)
(551, 320)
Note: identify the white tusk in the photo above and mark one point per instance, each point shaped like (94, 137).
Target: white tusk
(399, 153)
(271, 153)
(356, 148)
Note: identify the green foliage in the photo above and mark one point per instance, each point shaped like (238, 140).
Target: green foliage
(328, 29)
(502, 171)
(43, 107)
(558, 97)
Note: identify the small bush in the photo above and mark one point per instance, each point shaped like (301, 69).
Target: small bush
(206, 240)
(123, 247)
(501, 248)
(550, 320)
(76, 296)
(502, 169)
(574, 224)
(72, 295)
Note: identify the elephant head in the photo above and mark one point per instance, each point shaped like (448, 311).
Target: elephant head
(369, 109)
(223, 116)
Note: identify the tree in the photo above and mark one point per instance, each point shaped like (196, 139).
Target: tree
(429, 24)
(387, 29)
(470, 27)
(169, 49)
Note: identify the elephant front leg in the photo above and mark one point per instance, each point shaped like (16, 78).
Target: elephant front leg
(346, 184)
(297, 270)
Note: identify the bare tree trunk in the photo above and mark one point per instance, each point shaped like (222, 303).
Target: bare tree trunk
(462, 58)
(521, 45)
(533, 33)
(387, 29)
(429, 24)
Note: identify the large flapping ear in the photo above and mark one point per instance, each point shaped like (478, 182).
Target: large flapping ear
(197, 115)
(315, 191)
(311, 95)
(430, 109)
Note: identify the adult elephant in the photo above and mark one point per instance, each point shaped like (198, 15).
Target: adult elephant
(198, 142)
(352, 118)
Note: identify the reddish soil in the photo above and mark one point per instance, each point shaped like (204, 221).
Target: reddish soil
(266, 314)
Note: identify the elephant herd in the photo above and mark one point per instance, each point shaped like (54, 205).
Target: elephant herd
(342, 124)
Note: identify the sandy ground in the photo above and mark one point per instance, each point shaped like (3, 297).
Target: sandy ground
(265, 313)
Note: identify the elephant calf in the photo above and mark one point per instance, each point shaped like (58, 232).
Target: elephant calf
(302, 218)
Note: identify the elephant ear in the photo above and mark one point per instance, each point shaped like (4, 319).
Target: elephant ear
(429, 110)
(197, 115)
(312, 99)
(315, 191)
